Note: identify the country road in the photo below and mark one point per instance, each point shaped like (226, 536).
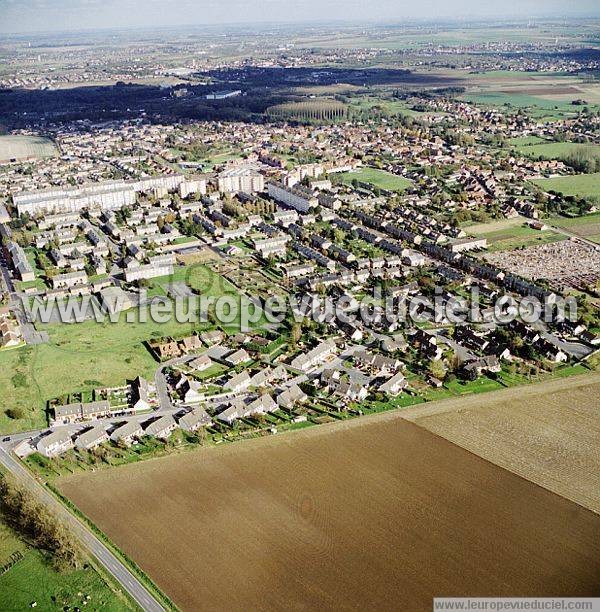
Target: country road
(104, 556)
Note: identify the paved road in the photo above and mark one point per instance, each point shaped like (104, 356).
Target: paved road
(127, 580)
(30, 333)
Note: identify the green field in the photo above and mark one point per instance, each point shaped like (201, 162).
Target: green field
(377, 178)
(33, 579)
(89, 355)
(518, 100)
(556, 150)
(24, 147)
(526, 140)
(587, 226)
(512, 234)
(583, 185)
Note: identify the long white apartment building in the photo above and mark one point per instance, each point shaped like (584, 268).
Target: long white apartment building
(106, 195)
(239, 179)
(298, 197)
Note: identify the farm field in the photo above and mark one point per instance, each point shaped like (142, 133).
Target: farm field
(25, 147)
(292, 518)
(32, 579)
(377, 178)
(557, 150)
(583, 185)
(547, 433)
(587, 226)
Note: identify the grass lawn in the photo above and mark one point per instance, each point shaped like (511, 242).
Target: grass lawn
(32, 579)
(79, 357)
(377, 178)
(583, 185)
(89, 355)
(526, 140)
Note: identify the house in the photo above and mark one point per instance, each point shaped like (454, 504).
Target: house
(212, 337)
(349, 390)
(167, 350)
(55, 443)
(393, 344)
(239, 382)
(468, 244)
(394, 385)
(376, 363)
(69, 413)
(294, 395)
(240, 409)
(201, 363)
(162, 427)
(127, 433)
(91, 438)
(190, 344)
(115, 300)
(238, 357)
(195, 419)
(140, 395)
(306, 361)
(69, 280)
(95, 410)
(10, 333)
(190, 390)
(476, 367)
(590, 338)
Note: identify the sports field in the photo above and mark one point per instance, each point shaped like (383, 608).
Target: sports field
(583, 185)
(377, 178)
(292, 517)
(25, 147)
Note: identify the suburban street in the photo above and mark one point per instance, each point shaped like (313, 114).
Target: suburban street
(90, 542)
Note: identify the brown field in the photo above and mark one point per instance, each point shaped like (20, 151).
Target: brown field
(549, 433)
(373, 513)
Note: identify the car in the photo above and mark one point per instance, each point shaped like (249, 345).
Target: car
(7, 439)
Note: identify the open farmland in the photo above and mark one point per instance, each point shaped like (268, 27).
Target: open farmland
(377, 178)
(290, 522)
(558, 150)
(587, 226)
(25, 147)
(583, 185)
(548, 433)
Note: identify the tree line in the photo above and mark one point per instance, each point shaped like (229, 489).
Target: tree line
(38, 526)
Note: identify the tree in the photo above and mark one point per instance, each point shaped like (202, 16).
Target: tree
(437, 369)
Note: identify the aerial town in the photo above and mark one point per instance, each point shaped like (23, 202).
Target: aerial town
(299, 174)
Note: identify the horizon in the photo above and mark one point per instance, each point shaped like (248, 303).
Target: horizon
(23, 17)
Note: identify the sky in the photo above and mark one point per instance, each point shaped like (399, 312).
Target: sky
(63, 15)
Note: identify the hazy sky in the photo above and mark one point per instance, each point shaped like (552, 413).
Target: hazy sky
(60, 15)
